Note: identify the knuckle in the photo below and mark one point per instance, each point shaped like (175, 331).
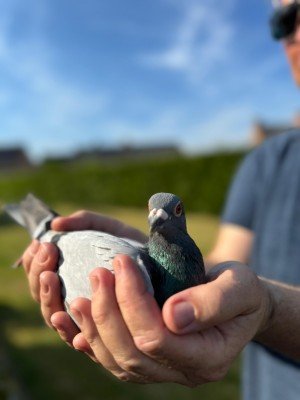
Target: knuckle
(81, 213)
(243, 280)
(37, 266)
(51, 254)
(92, 339)
(122, 376)
(125, 376)
(153, 345)
(99, 316)
(132, 365)
(232, 274)
(239, 274)
(125, 302)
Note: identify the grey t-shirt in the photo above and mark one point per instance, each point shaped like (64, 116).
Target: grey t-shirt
(265, 198)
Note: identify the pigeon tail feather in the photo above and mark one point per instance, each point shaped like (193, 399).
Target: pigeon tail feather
(32, 214)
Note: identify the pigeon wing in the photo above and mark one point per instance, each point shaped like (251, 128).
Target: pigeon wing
(83, 251)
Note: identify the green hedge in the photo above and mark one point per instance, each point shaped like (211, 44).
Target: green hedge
(202, 182)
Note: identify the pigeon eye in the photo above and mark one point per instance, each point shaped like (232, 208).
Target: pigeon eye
(178, 210)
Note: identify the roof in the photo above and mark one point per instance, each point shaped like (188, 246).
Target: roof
(13, 158)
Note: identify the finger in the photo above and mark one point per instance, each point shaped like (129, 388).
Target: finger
(134, 300)
(116, 336)
(81, 344)
(50, 295)
(86, 220)
(46, 259)
(81, 310)
(143, 316)
(28, 255)
(233, 293)
(65, 326)
(82, 220)
(144, 321)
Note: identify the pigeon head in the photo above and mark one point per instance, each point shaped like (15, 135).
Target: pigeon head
(166, 212)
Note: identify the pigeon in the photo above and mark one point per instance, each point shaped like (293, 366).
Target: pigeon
(178, 261)
(170, 262)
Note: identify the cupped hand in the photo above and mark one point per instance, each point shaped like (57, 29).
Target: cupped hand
(40, 262)
(195, 338)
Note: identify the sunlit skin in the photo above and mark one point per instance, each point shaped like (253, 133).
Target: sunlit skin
(292, 49)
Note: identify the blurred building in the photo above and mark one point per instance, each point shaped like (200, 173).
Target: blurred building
(12, 159)
(125, 153)
(262, 131)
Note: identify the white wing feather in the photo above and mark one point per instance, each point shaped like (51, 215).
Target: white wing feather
(83, 251)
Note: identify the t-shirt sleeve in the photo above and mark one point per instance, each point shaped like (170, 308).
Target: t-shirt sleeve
(240, 204)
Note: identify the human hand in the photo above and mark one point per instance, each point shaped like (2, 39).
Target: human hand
(194, 340)
(87, 220)
(40, 261)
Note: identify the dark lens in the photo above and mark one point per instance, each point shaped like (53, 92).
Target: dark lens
(283, 21)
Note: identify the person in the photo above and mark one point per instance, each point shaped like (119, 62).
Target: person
(200, 331)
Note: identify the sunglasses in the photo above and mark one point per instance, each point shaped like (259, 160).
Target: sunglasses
(284, 20)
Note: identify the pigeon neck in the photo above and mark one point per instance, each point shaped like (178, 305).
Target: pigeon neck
(167, 250)
(175, 267)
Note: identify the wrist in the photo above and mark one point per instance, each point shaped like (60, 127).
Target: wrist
(268, 307)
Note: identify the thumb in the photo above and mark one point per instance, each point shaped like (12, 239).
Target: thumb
(235, 291)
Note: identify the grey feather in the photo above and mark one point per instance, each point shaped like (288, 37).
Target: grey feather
(32, 214)
(83, 251)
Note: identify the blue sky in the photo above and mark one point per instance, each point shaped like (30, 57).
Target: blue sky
(75, 74)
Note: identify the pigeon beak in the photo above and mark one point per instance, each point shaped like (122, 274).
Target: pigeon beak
(156, 218)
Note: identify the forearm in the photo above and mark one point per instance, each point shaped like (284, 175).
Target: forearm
(233, 243)
(282, 330)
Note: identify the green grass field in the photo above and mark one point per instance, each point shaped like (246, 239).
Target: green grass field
(34, 358)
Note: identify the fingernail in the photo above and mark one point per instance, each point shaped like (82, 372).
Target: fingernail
(34, 247)
(42, 254)
(183, 314)
(77, 315)
(94, 282)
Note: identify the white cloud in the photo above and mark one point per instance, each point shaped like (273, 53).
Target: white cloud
(202, 39)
